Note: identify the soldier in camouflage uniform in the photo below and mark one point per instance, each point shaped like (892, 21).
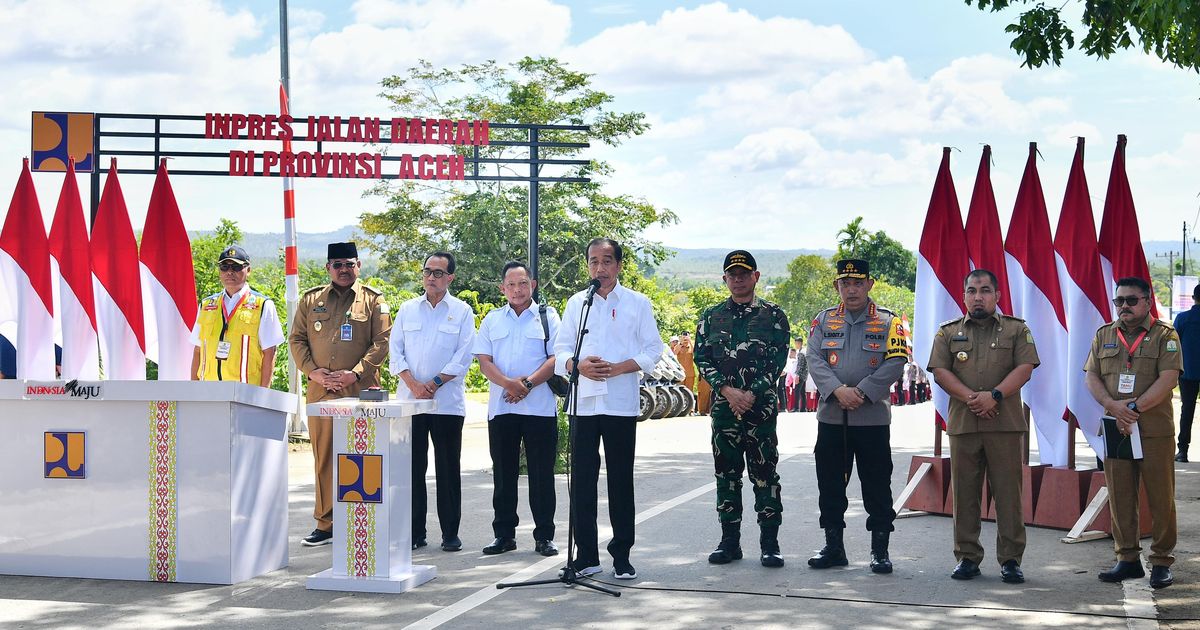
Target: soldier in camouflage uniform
(741, 348)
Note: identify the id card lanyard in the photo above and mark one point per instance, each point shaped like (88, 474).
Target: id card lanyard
(1125, 381)
(222, 345)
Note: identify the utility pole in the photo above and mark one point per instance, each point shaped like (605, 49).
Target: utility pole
(1170, 256)
(1183, 270)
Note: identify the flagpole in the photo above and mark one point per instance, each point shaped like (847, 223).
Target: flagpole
(291, 267)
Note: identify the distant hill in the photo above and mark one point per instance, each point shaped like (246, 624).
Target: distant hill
(269, 245)
(705, 264)
(686, 264)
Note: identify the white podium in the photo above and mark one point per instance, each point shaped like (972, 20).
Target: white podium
(170, 481)
(372, 497)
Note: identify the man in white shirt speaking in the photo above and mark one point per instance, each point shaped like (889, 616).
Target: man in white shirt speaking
(430, 352)
(622, 339)
(512, 350)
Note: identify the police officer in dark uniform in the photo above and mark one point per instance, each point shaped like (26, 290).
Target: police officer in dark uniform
(741, 349)
(856, 350)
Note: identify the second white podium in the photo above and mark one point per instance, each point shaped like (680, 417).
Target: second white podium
(372, 497)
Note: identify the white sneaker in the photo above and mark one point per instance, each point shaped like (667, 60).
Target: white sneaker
(584, 572)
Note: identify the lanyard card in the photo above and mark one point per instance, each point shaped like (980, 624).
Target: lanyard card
(347, 332)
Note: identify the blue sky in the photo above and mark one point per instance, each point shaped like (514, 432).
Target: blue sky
(774, 123)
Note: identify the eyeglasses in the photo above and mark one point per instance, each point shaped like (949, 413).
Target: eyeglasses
(1131, 300)
(436, 273)
(339, 264)
(231, 267)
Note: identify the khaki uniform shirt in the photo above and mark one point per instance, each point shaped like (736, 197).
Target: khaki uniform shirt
(981, 353)
(316, 340)
(1159, 351)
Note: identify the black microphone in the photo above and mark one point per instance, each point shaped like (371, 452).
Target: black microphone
(593, 286)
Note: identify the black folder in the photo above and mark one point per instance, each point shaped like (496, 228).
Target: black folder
(1117, 445)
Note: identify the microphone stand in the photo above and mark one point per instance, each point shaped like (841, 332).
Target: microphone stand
(568, 576)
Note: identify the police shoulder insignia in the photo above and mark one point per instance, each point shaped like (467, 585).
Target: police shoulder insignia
(383, 308)
(1172, 345)
(1028, 335)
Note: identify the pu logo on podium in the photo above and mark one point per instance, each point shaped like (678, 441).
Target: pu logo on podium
(64, 455)
(360, 478)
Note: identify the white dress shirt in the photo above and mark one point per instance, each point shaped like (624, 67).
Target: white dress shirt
(430, 340)
(270, 330)
(518, 346)
(620, 327)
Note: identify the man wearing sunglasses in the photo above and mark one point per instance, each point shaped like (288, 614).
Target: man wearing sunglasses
(430, 352)
(236, 330)
(1132, 371)
(339, 340)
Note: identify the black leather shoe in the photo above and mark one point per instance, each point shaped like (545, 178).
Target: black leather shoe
(317, 538)
(1122, 570)
(965, 570)
(451, 544)
(498, 546)
(1182, 456)
(1160, 577)
(833, 554)
(546, 548)
(1010, 573)
(418, 543)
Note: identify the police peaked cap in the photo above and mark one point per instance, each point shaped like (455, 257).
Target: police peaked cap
(853, 268)
(342, 250)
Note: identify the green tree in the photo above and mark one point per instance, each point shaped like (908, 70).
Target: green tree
(1167, 29)
(807, 290)
(889, 259)
(898, 300)
(852, 238)
(486, 223)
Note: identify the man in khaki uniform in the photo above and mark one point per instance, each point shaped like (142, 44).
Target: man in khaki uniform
(1132, 371)
(339, 338)
(982, 360)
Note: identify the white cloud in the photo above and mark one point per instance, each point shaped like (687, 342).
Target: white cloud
(1064, 135)
(685, 127)
(713, 42)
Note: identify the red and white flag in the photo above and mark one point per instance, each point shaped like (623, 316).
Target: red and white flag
(168, 283)
(1037, 298)
(942, 264)
(985, 241)
(71, 269)
(1084, 295)
(118, 288)
(28, 294)
(1121, 253)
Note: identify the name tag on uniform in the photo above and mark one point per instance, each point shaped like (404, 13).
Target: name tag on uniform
(223, 349)
(347, 332)
(959, 337)
(1125, 383)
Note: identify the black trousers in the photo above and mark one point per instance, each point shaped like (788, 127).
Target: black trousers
(446, 434)
(540, 434)
(801, 397)
(1187, 409)
(871, 448)
(619, 434)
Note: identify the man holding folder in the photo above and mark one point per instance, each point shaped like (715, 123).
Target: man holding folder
(1132, 371)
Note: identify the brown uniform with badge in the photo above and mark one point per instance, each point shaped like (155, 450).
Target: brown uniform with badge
(981, 353)
(1111, 361)
(337, 329)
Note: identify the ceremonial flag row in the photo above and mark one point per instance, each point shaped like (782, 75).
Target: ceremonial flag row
(1061, 286)
(109, 306)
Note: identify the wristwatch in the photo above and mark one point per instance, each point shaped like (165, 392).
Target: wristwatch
(1133, 406)
(997, 395)
(437, 380)
(527, 383)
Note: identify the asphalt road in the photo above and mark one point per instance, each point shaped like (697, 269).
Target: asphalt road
(677, 588)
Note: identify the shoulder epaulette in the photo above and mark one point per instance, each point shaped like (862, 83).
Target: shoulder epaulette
(371, 289)
(1013, 317)
(948, 322)
(315, 289)
(1165, 323)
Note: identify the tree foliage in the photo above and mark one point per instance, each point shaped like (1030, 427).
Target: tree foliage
(486, 223)
(1167, 29)
(806, 291)
(890, 260)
